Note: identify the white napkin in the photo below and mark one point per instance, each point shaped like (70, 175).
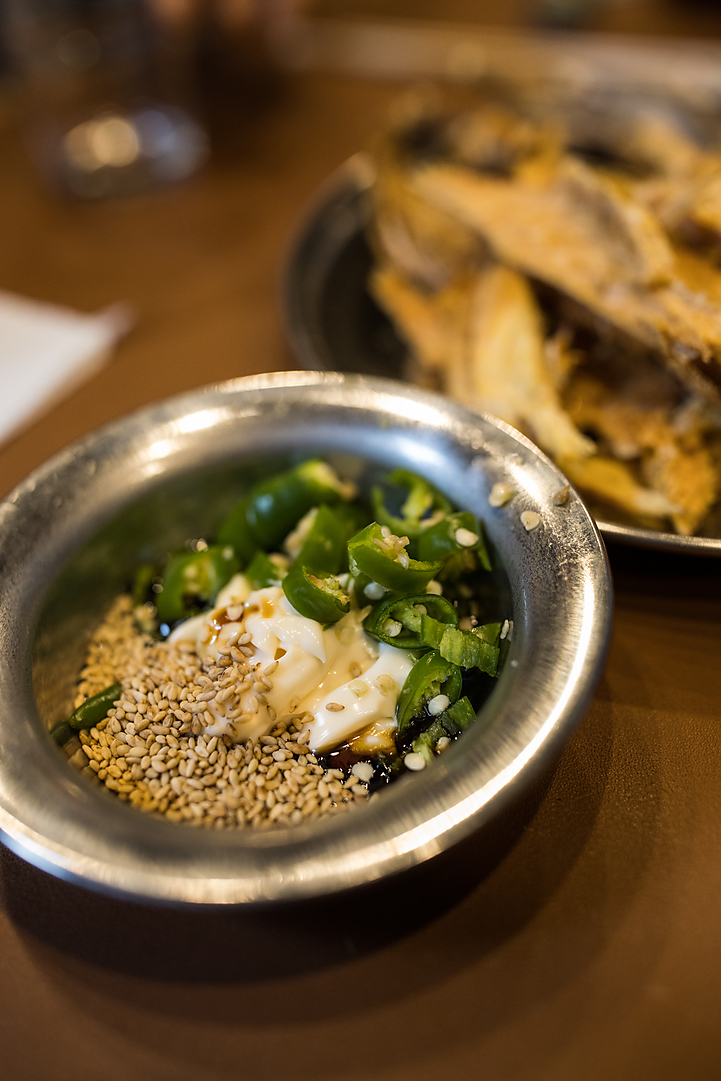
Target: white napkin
(46, 351)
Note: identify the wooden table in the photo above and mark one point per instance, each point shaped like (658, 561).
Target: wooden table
(583, 941)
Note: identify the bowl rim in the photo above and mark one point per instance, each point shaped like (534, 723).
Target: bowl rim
(161, 861)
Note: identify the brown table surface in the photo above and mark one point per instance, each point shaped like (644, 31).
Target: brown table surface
(582, 941)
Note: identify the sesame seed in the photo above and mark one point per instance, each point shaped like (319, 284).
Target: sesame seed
(530, 519)
(385, 683)
(466, 538)
(374, 591)
(362, 770)
(500, 494)
(414, 761)
(438, 704)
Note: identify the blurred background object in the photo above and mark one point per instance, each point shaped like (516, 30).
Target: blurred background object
(687, 17)
(120, 96)
(105, 95)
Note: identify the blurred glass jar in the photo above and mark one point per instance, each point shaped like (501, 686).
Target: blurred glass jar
(105, 95)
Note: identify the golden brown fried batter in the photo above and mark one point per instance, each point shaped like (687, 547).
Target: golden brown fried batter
(563, 295)
(508, 372)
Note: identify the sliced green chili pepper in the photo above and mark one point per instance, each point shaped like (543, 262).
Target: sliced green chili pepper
(424, 745)
(423, 500)
(94, 709)
(368, 554)
(264, 572)
(236, 532)
(457, 565)
(325, 545)
(277, 504)
(461, 714)
(267, 514)
(429, 676)
(62, 732)
(488, 632)
(401, 621)
(454, 720)
(450, 536)
(353, 519)
(141, 585)
(194, 577)
(316, 596)
(468, 650)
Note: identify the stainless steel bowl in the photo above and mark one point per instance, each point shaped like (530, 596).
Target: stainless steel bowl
(71, 533)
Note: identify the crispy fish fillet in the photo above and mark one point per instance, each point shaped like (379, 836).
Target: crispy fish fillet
(580, 220)
(560, 357)
(458, 186)
(614, 483)
(486, 339)
(687, 476)
(508, 372)
(497, 141)
(430, 246)
(554, 234)
(486, 336)
(435, 325)
(687, 182)
(674, 461)
(427, 244)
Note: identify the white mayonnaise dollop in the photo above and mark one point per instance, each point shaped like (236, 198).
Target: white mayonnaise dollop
(341, 676)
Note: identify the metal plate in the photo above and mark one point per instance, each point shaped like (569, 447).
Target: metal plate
(333, 323)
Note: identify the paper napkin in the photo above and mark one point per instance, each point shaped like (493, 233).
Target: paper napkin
(46, 351)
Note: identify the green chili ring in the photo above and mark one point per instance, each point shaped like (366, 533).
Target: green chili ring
(440, 541)
(429, 676)
(367, 556)
(94, 709)
(316, 596)
(404, 611)
(194, 576)
(262, 572)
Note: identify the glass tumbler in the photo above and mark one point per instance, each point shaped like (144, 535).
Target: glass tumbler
(105, 95)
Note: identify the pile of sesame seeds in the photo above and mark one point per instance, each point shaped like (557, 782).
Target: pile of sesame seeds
(153, 750)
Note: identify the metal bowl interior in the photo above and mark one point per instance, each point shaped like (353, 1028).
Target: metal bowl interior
(72, 532)
(334, 323)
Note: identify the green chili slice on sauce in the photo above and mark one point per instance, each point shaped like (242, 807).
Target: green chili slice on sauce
(264, 571)
(429, 676)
